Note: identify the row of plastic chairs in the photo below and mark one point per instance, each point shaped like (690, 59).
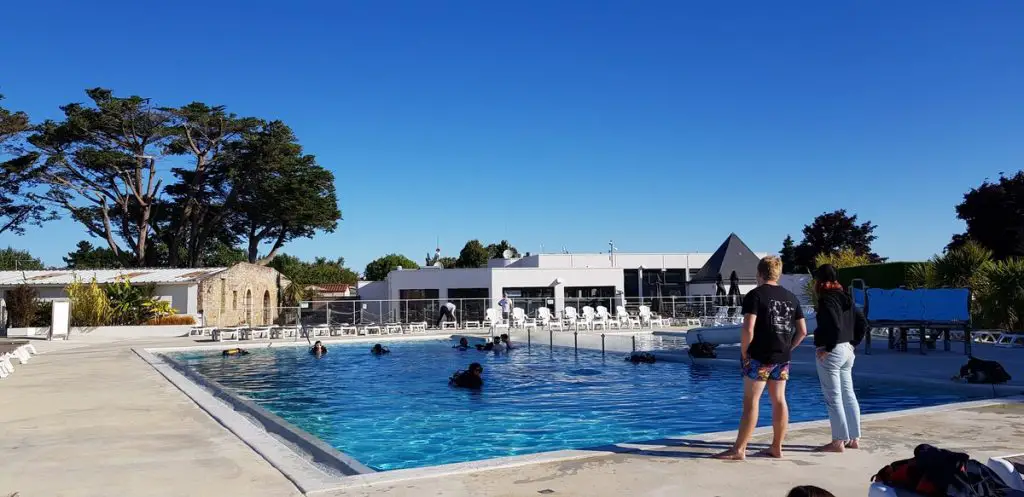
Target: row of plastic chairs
(588, 319)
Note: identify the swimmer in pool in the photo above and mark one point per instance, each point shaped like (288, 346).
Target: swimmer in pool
(318, 349)
(496, 346)
(379, 350)
(470, 378)
(462, 346)
(505, 339)
(234, 352)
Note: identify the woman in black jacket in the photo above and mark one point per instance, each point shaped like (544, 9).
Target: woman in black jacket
(841, 327)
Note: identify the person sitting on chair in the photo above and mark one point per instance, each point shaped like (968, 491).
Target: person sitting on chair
(447, 311)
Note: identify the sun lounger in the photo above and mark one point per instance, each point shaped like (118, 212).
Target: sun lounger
(1010, 340)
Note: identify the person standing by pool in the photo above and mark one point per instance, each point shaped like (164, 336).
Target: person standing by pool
(841, 327)
(447, 311)
(506, 304)
(773, 325)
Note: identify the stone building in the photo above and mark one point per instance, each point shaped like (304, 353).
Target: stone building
(244, 294)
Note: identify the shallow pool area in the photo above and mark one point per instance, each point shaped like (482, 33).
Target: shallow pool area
(397, 411)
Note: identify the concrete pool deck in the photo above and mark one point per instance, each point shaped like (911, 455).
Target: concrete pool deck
(91, 418)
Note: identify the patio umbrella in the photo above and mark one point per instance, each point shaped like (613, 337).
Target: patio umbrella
(719, 290)
(734, 288)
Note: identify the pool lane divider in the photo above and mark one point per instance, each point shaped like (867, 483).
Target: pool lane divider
(266, 433)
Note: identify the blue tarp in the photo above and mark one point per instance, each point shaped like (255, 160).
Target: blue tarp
(940, 305)
(858, 297)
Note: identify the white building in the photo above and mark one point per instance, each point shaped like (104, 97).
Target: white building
(551, 279)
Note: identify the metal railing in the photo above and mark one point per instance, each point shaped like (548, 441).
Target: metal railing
(365, 312)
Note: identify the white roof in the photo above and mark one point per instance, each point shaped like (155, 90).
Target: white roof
(62, 277)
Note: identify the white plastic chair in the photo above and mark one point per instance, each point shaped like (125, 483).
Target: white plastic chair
(588, 318)
(570, 318)
(625, 319)
(605, 319)
(494, 320)
(544, 319)
(650, 319)
(521, 320)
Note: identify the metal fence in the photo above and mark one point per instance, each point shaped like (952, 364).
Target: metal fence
(356, 312)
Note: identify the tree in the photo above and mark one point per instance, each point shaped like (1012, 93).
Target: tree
(833, 232)
(448, 262)
(960, 267)
(278, 193)
(1001, 294)
(496, 250)
(203, 133)
(788, 256)
(841, 259)
(86, 256)
(14, 259)
(101, 168)
(220, 254)
(378, 269)
(994, 213)
(473, 254)
(19, 174)
(320, 271)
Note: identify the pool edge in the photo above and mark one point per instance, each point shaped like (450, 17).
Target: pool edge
(227, 408)
(309, 486)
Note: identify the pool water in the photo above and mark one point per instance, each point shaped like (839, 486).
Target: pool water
(397, 411)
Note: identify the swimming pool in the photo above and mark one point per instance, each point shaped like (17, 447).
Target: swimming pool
(398, 411)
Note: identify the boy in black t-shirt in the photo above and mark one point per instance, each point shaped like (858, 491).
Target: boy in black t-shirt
(773, 325)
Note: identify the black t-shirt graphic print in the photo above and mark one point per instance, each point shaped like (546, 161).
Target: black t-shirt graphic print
(777, 311)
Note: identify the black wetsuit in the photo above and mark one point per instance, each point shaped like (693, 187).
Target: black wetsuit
(465, 379)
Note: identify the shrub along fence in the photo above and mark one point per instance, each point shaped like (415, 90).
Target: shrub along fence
(887, 275)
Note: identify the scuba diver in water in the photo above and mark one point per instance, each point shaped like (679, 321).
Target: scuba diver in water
(462, 346)
(318, 349)
(379, 350)
(469, 378)
(234, 352)
(496, 346)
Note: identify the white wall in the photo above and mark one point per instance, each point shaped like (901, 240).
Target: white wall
(692, 260)
(373, 290)
(183, 297)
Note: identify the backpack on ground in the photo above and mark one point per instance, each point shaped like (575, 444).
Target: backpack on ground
(982, 371)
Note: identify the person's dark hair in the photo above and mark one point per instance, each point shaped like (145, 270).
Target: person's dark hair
(476, 367)
(826, 278)
(809, 491)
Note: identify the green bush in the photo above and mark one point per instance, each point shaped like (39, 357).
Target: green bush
(89, 304)
(1000, 294)
(886, 275)
(44, 314)
(22, 306)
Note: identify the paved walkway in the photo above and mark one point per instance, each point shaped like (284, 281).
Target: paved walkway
(95, 420)
(89, 418)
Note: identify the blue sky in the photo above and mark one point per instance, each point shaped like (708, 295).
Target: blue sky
(662, 125)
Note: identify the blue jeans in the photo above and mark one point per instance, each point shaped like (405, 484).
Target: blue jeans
(835, 372)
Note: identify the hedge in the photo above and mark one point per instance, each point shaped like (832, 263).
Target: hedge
(888, 275)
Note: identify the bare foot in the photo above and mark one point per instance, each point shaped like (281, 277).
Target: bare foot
(772, 452)
(731, 455)
(853, 444)
(834, 446)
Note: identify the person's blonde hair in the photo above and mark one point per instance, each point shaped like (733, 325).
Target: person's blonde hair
(769, 268)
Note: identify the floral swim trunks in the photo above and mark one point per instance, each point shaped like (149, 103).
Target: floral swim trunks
(757, 371)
